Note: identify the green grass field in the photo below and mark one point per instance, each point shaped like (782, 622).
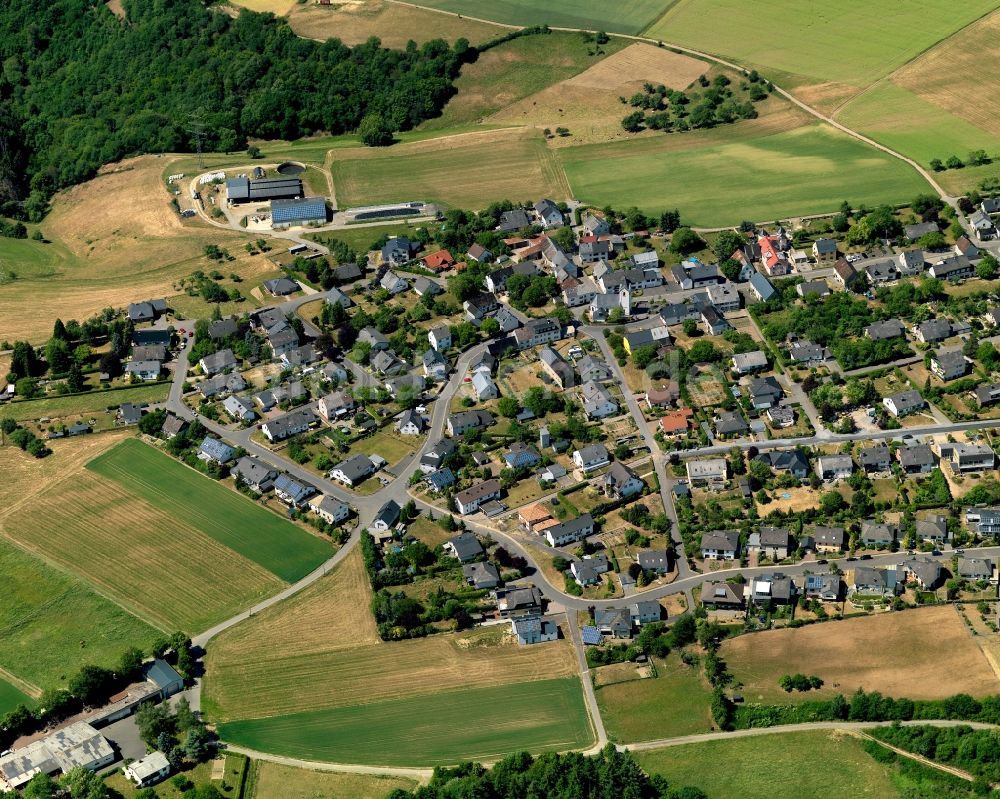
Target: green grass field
(11, 696)
(93, 402)
(464, 172)
(853, 42)
(636, 710)
(802, 171)
(630, 17)
(443, 728)
(230, 518)
(51, 623)
(779, 766)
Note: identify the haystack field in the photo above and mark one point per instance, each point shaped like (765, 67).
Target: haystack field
(320, 650)
(925, 653)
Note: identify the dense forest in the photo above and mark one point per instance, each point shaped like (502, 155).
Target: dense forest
(608, 775)
(80, 87)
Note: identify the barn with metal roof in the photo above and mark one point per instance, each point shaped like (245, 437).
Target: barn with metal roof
(298, 212)
(244, 190)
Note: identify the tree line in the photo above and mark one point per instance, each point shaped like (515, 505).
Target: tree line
(82, 88)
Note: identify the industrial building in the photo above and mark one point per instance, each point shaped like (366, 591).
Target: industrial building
(306, 210)
(77, 746)
(372, 212)
(244, 190)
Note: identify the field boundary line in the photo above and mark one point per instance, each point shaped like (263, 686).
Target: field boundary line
(955, 772)
(30, 689)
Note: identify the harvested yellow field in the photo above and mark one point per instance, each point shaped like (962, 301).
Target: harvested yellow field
(275, 781)
(925, 653)
(276, 7)
(162, 570)
(114, 240)
(320, 650)
(638, 63)
(393, 23)
(951, 75)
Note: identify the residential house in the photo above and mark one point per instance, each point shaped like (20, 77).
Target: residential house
(876, 459)
(534, 631)
(773, 256)
(592, 250)
(424, 286)
(949, 364)
(335, 296)
(214, 451)
(299, 356)
(520, 456)
(484, 388)
(640, 338)
(330, 510)
(966, 248)
(729, 423)
(919, 230)
(925, 572)
(656, 561)
(385, 362)
(173, 426)
(971, 568)
(221, 361)
(589, 570)
(152, 352)
(581, 292)
(987, 394)
(469, 500)
(614, 622)
(761, 287)
(148, 770)
(438, 261)
(147, 336)
(397, 251)
(824, 251)
(387, 517)
(715, 325)
(646, 612)
(954, 267)
(434, 365)
(290, 424)
(129, 414)
(597, 401)
(221, 328)
(548, 214)
(433, 459)
(812, 288)
(765, 392)
(829, 539)
(772, 589)
(518, 602)
(533, 515)
(932, 330)
(536, 332)
(465, 547)
(875, 534)
(569, 532)
(824, 587)
(439, 337)
(911, 262)
(458, 423)
(720, 545)
(792, 461)
(904, 403)
(440, 480)
(353, 471)
(969, 457)
(621, 482)
(676, 313)
(984, 521)
(554, 366)
(347, 273)
(593, 369)
(595, 225)
(707, 472)
(884, 331)
(983, 225)
(239, 408)
(479, 254)
(771, 542)
(373, 338)
(834, 467)
(591, 457)
(602, 305)
(869, 581)
(664, 396)
(695, 275)
(916, 459)
(292, 492)
(481, 576)
(335, 405)
(410, 423)
(513, 221)
(281, 286)
(725, 297)
(932, 528)
(143, 370)
(254, 473)
(806, 352)
(723, 596)
(781, 416)
(880, 272)
(676, 423)
(748, 362)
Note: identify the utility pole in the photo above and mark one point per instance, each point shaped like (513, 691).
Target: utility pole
(196, 128)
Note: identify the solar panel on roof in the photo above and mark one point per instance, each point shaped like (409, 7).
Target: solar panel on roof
(592, 636)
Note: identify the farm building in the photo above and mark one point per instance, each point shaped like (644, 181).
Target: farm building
(244, 190)
(302, 211)
(77, 746)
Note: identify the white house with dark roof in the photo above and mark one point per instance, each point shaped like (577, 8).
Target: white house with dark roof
(720, 544)
(591, 457)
